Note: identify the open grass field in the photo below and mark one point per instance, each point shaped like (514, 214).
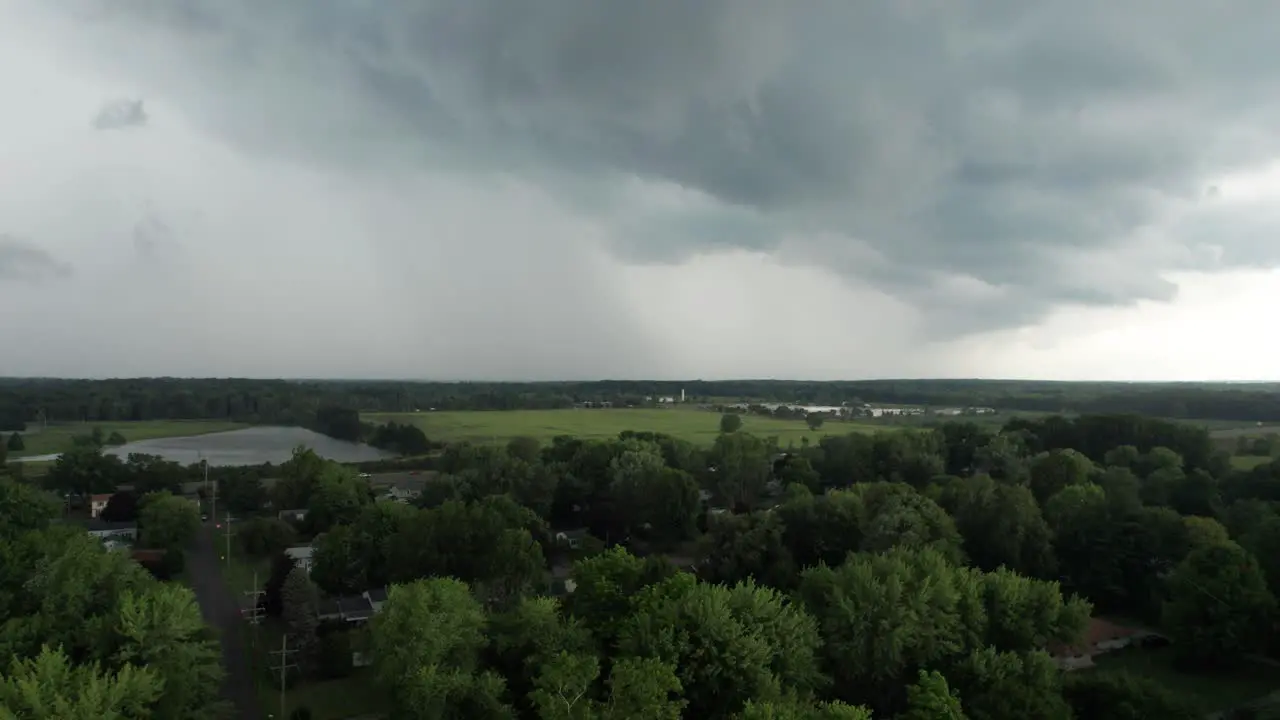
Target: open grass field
(1233, 428)
(1206, 693)
(697, 426)
(1248, 462)
(57, 438)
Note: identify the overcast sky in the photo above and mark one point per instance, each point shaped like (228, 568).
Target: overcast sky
(576, 189)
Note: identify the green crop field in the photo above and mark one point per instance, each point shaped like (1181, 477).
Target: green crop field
(57, 438)
(698, 426)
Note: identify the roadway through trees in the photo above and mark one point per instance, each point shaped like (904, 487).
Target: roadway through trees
(221, 609)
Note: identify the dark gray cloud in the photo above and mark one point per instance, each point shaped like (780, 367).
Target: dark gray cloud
(985, 159)
(118, 114)
(22, 261)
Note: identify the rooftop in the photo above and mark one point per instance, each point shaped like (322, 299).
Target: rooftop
(102, 525)
(299, 552)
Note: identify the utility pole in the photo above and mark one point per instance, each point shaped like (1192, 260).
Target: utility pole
(283, 667)
(229, 540)
(213, 499)
(254, 612)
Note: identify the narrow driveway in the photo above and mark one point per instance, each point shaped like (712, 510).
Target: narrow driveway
(221, 609)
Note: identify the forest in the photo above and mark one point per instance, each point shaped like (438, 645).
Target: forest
(918, 574)
(25, 400)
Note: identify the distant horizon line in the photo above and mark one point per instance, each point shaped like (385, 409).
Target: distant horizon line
(563, 381)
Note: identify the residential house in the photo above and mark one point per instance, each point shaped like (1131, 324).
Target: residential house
(400, 494)
(98, 503)
(113, 534)
(301, 556)
(376, 597)
(348, 608)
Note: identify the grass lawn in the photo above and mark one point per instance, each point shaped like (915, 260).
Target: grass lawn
(338, 699)
(1248, 462)
(1206, 693)
(328, 699)
(57, 438)
(698, 426)
(352, 696)
(240, 571)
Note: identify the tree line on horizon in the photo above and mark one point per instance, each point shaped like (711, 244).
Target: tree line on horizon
(290, 402)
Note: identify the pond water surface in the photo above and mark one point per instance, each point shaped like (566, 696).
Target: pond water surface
(250, 446)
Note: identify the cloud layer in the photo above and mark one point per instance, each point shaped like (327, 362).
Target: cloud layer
(23, 261)
(970, 166)
(119, 114)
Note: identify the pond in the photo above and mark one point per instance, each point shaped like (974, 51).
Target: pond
(250, 446)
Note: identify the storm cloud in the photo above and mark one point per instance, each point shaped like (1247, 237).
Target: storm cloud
(23, 261)
(983, 162)
(989, 142)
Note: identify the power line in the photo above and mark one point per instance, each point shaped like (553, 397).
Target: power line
(253, 613)
(284, 666)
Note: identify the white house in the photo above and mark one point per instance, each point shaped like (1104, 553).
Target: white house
(301, 556)
(98, 503)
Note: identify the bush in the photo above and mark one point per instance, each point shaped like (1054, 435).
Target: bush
(175, 561)
(333, 657)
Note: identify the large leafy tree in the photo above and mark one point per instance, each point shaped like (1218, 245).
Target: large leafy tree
(81, 621)
(1001, 525)
(1053, 471)
(739, 466)
(608, 587)
(426, 645)
(50, 687)
(299, 608)
(747, 546)
(931, 698)
(1219, 607)
(882, 616)
(868, 517)
(160, 628)
(84, 470)
(1005, 685)
(728, 645)
(168, 521)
